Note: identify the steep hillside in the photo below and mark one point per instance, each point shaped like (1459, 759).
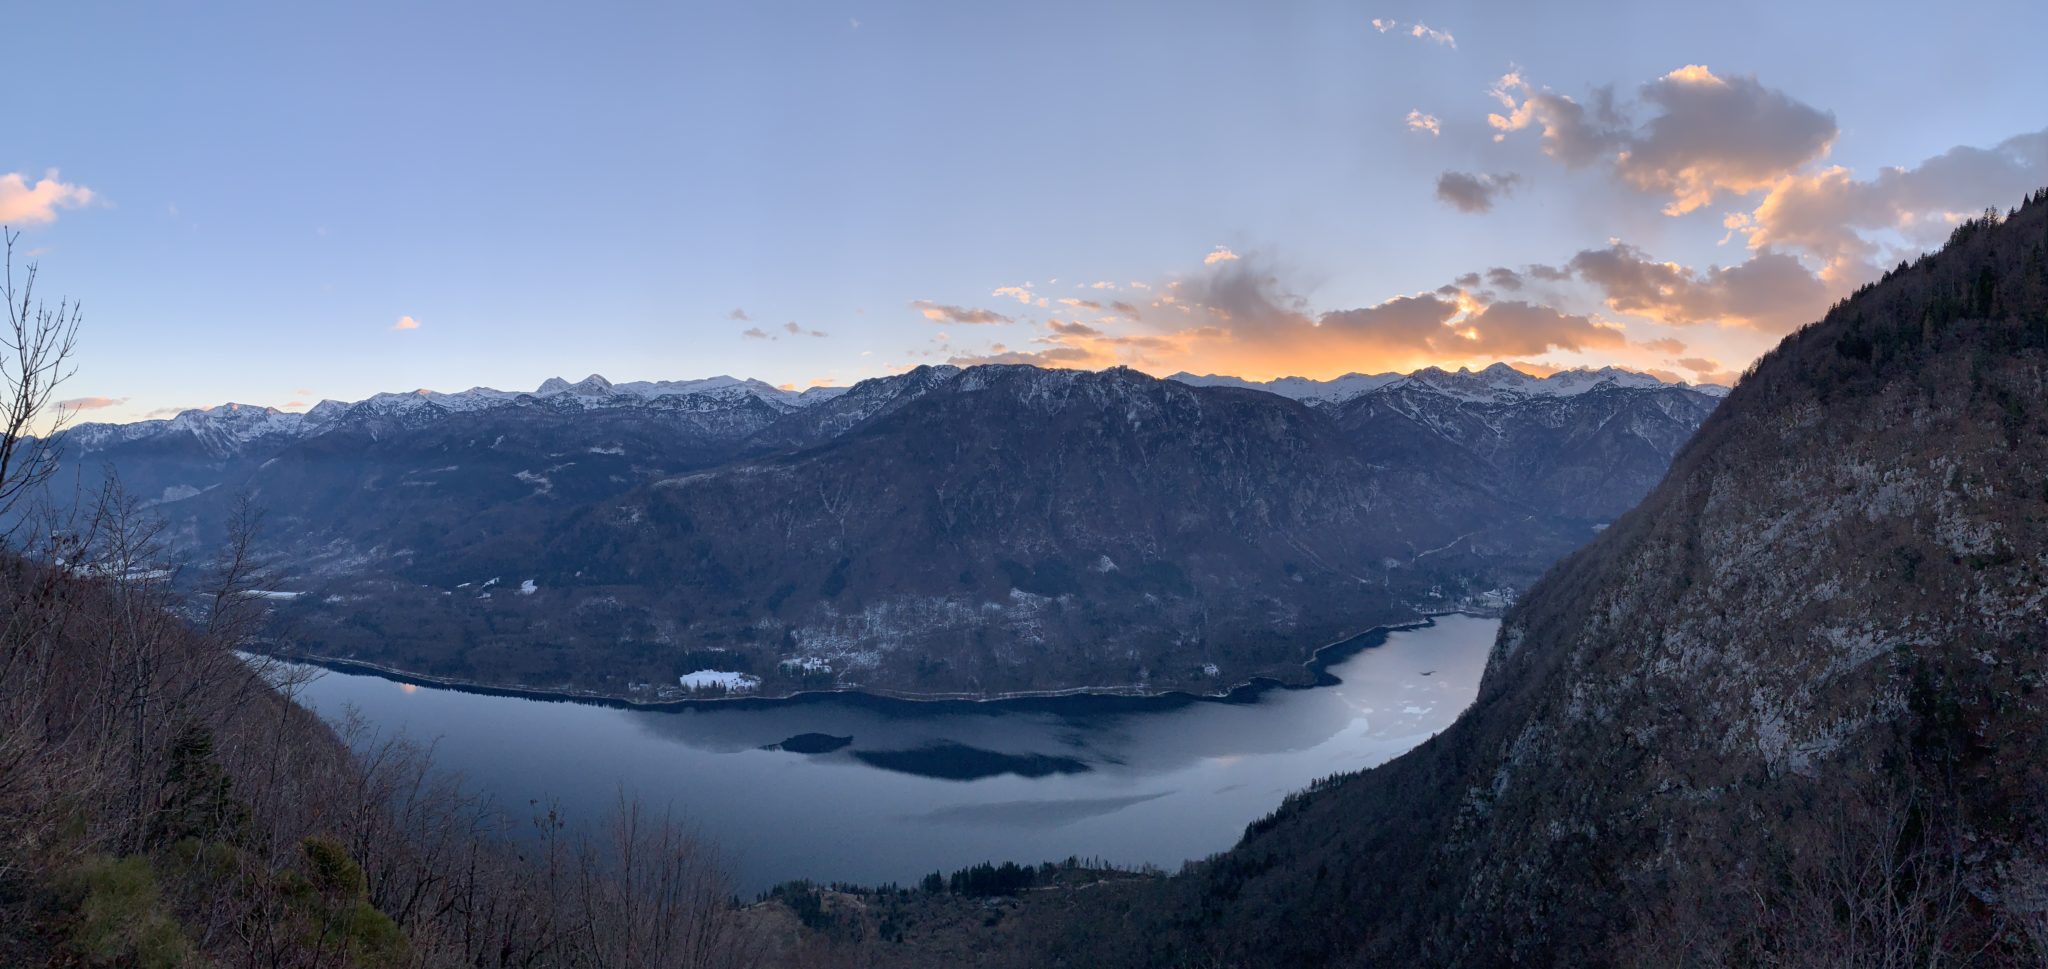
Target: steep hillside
(164, 804)
(1788, 711)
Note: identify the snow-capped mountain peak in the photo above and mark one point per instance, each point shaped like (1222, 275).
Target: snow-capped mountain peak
(1496, 382)
(230, 428)
(1501, 383)
(1311, 392)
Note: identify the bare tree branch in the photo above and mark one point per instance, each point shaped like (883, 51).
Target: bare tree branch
(35, 358)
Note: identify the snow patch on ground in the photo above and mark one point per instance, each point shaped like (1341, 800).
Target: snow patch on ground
(715, 679)
(541, 484)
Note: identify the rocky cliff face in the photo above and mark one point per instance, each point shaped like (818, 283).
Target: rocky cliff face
(1788, 711)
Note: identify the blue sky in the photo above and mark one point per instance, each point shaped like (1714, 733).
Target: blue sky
(545, 189)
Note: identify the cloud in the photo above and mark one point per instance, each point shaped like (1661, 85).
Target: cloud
(793, 329)
(1516, 327)
(1218, 254)
(1402, 323)
(1698, 364)
(1417, 30)
(944, 313)
(1439, 36)
(739, 314)
(1502, 277)
(1716, 134)
(1417, 121)
(755, 333)
(1773, 292)
(1572, 134)
(1708, 134)
(1664, 345)
(1073, 329)
(406, 323)
(1125, 309)
(1474, 192)
(90, 403)
(1238, 316)
(1085, 304)
(1021, 294)
(24, 203)
(1829, 213)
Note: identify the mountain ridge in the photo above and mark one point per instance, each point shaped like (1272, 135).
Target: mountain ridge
(931, 531)
(236, 420)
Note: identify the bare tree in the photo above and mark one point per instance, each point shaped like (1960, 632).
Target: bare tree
(35, 358)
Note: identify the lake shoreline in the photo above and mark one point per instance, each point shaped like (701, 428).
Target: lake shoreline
(1100, 698)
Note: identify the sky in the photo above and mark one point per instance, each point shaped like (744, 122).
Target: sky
(277, 203)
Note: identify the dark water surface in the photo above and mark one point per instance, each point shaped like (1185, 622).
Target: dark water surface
(859, 789)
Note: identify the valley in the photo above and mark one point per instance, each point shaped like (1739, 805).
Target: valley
(1024, 486)
(993, 530)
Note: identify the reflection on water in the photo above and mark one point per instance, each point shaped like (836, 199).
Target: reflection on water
(863, 790)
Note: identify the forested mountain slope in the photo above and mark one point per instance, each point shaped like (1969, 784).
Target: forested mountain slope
(164, 804)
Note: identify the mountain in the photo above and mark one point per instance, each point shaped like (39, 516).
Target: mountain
(942, 530)
(1497, 381)
(1787, 711)
(1580, 445)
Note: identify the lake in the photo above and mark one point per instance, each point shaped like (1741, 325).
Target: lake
(870, 790)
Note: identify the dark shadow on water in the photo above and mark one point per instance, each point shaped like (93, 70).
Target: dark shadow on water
(811, 743)
(958, 762)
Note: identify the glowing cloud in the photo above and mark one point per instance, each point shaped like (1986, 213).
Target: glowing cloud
(1417, 121)
(1439, 36)
(24, 203)
(1773, 291)
(406, 323)
(1218, 254)
(1826, 213)
(1718, 134)
(1709, 135)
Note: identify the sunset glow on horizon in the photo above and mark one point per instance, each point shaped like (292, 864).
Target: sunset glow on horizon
(813, 197)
